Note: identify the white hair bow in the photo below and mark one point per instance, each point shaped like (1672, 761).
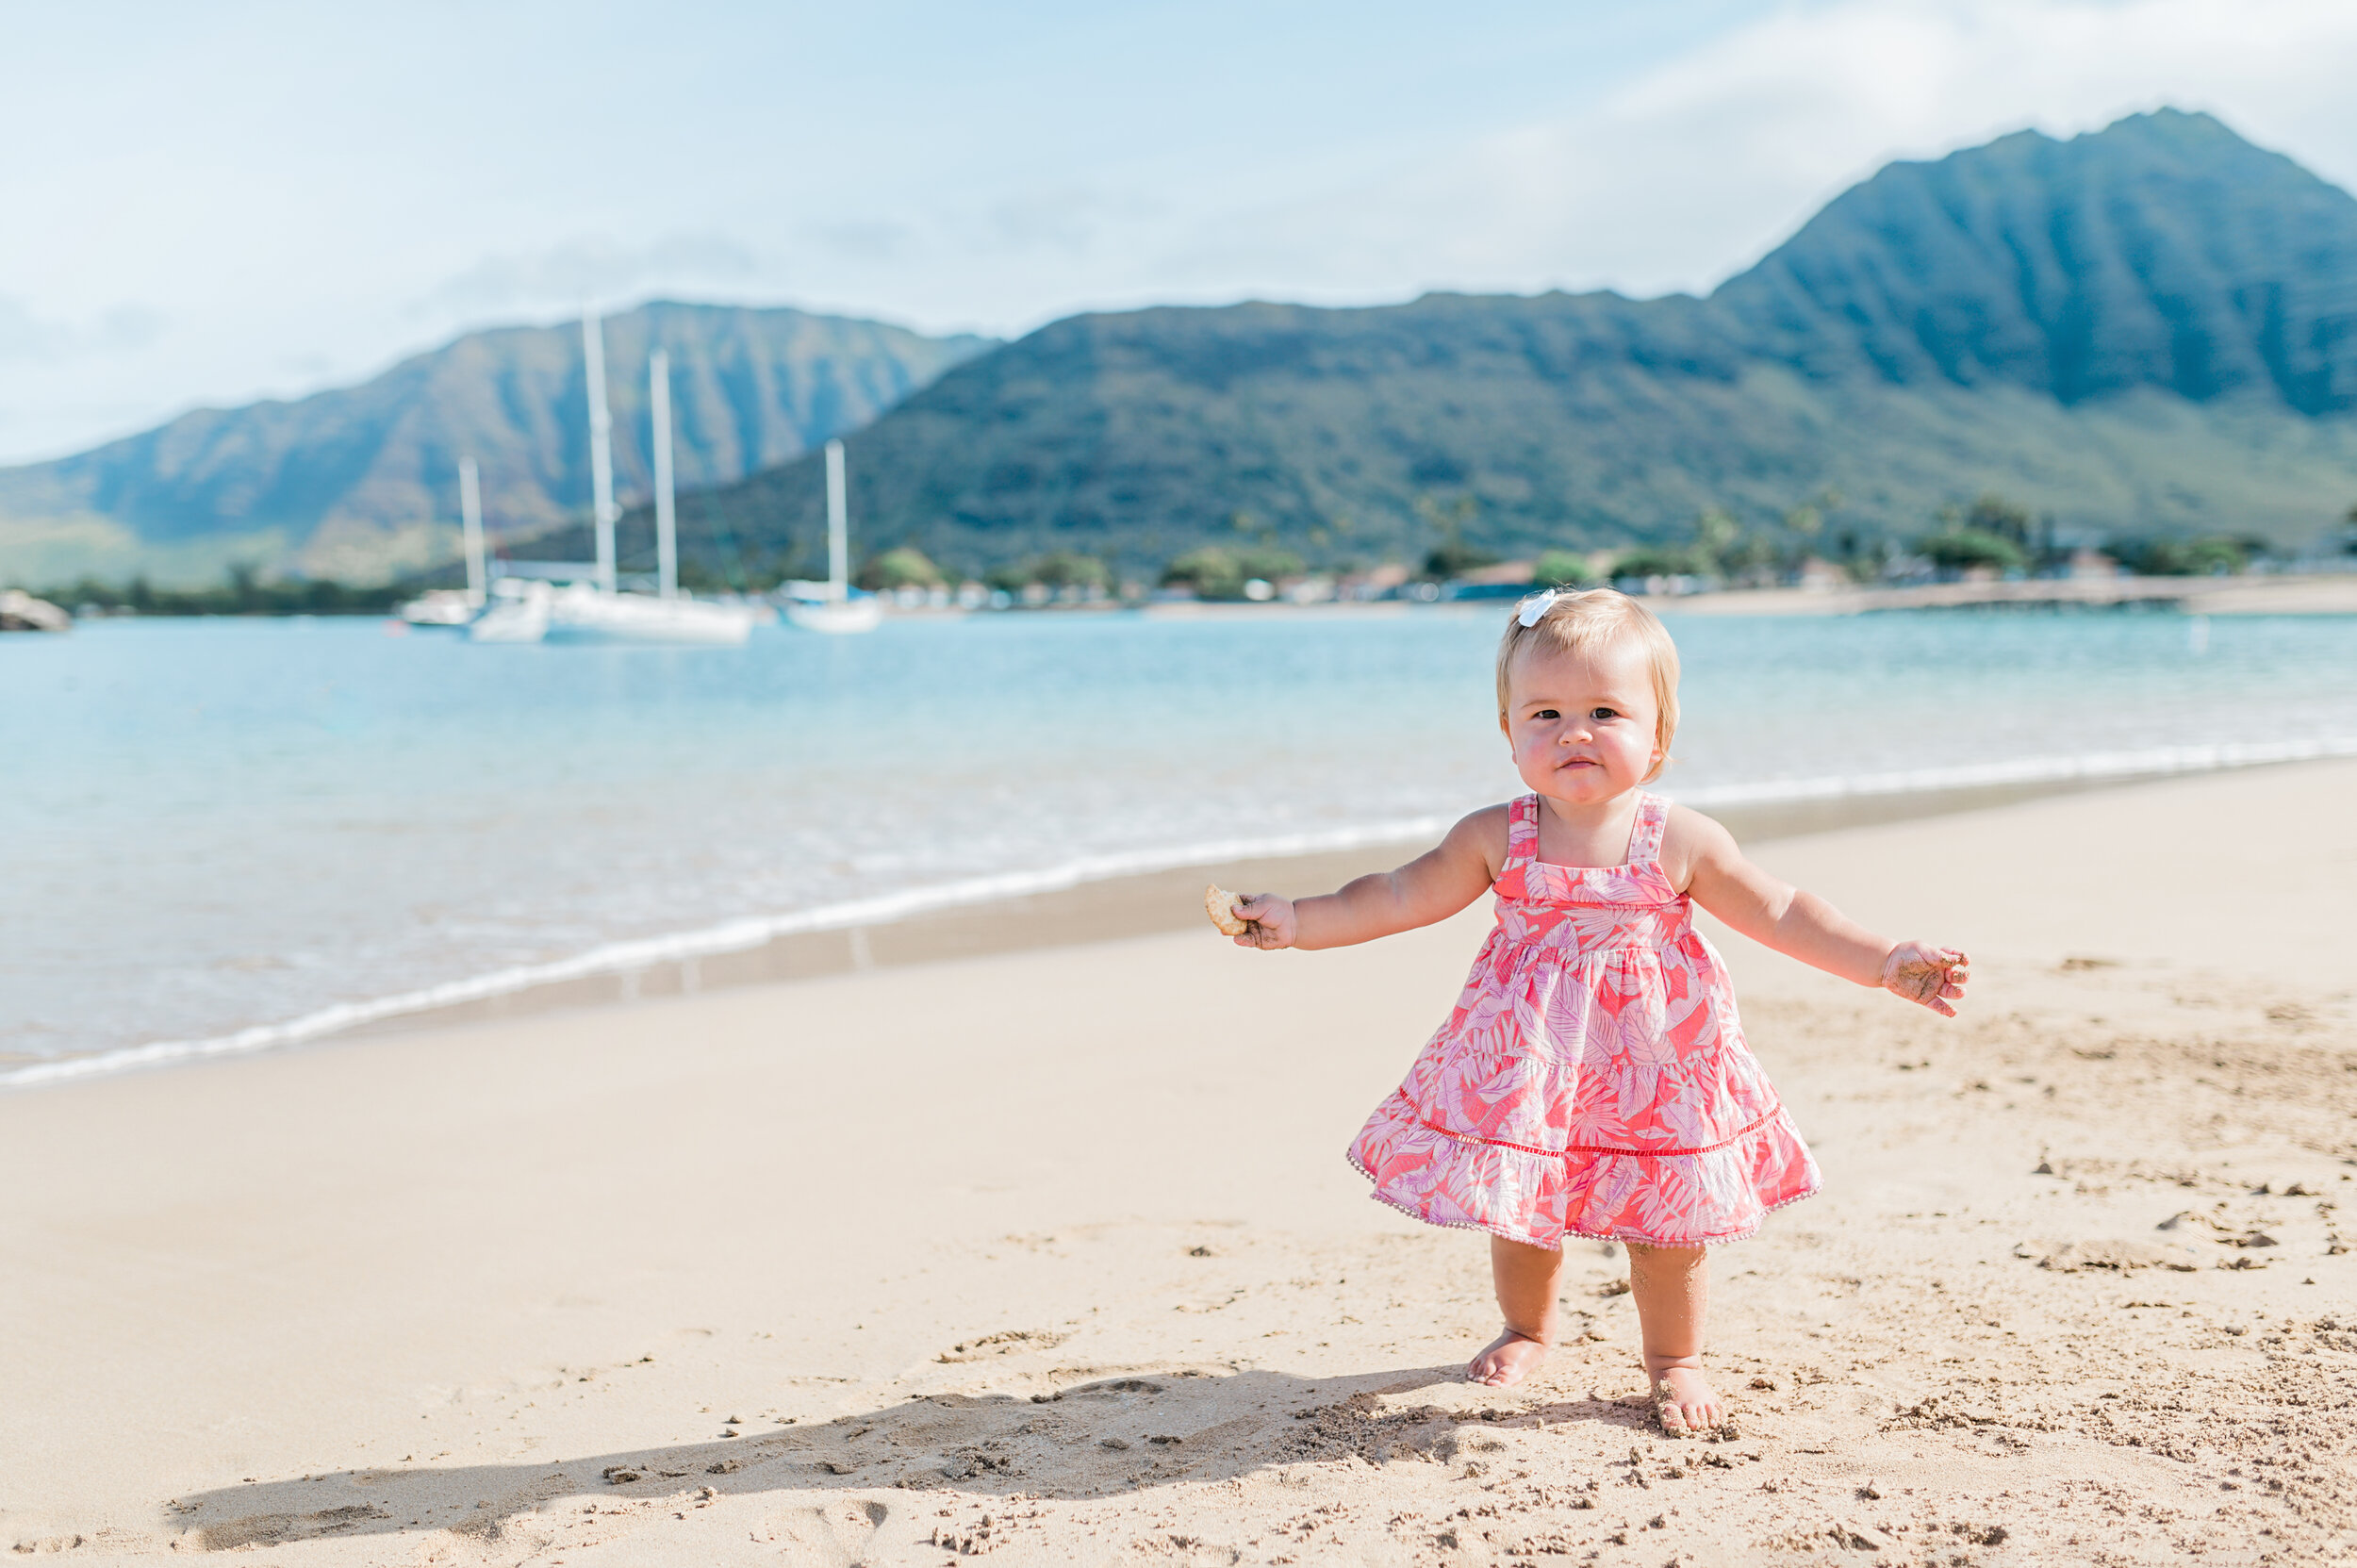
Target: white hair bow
(1535, 605)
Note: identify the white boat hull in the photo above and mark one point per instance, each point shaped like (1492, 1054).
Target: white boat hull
(837, 616)
(513, 617)
(442, 607)
(582, 614)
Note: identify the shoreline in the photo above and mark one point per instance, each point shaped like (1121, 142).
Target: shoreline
(2314, 589)
(2299, 593)
(1108, 900)
(2248, 594)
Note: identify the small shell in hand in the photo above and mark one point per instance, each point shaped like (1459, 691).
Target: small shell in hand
(1220, 905)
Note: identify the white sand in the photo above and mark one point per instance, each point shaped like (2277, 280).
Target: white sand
(967, 1227)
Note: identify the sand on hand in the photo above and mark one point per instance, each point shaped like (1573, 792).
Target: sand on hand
(996, 1256)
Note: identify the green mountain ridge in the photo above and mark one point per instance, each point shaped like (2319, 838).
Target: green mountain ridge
(2149, 328)
(360, 483)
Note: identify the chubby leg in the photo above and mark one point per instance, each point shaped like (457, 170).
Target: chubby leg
(1525, 1277)
(1671, 1286)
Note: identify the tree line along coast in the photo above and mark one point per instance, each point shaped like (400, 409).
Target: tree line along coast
(1812, 544)
(1816, 544)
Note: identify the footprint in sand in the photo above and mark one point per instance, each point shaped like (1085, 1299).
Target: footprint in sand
(1007, 1341)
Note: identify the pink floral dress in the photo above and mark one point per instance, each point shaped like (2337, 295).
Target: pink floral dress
(1592, 1080)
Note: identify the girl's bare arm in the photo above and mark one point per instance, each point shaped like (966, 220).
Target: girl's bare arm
(1433, 886)
(1801, 925)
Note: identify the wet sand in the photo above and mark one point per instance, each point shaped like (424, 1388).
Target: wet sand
(1100, 911)
(1051, 1255)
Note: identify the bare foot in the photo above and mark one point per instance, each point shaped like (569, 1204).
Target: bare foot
(1507, 1361)
(1685, 1403)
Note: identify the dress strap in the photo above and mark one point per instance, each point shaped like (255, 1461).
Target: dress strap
(1521, 834)
(1644, 843)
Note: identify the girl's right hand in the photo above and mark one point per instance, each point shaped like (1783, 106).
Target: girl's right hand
(1922, 973)
(1271, 921)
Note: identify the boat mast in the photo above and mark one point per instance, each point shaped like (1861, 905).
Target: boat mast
(471, 526)
(601, 445)
(665, 520)
(838, 528)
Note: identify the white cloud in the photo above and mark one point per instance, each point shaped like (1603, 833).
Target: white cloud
(27, 336)
(589, 270)
(1689, 172)
(1074, 168)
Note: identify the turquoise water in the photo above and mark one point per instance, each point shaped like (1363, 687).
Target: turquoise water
(217, 826)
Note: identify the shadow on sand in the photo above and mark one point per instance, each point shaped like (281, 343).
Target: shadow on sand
(1112, 1437)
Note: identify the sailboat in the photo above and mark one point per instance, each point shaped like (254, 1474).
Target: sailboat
(512, 609)
(828, 606)
(519, 612)
(590, 607)
(457, 606)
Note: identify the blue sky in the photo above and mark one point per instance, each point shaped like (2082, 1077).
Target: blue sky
(207, 204)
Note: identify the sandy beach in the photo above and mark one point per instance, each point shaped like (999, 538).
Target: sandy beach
(1052, 1254)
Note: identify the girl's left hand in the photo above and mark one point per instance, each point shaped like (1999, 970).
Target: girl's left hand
(1921, 972)
(1272, 925)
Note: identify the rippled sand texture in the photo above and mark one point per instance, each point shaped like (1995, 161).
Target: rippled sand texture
(992, 1258)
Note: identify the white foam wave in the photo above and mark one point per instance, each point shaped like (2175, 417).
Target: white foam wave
(2149, 762)
(752, 932)
(731, 936)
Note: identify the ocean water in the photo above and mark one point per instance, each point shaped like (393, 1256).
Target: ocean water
(225, 835)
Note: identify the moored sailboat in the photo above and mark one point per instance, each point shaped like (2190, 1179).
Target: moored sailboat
(457, 606)
(590, 607)
(830, 607)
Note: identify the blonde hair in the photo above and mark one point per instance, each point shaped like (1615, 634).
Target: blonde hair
(1584, 622)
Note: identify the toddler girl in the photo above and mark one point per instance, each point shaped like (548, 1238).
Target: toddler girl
(1592, 1080)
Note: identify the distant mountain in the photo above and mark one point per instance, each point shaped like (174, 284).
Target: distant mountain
(2164, 253)
(361, 483)
(2148, 328)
